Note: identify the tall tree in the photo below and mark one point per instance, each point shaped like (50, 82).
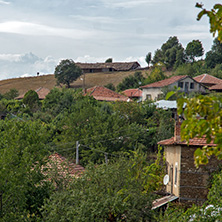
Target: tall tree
(168, 53)
(214, 56)
(67, 72)
(194, 49)
(148, 58)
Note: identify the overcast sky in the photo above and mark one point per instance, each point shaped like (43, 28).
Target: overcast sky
(36, 35)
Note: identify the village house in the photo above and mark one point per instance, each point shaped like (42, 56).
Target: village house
(208, 80)
(108, 67)
(134, 94)
(183, 181)
(42, 93)
(102, 93)
(186, 84)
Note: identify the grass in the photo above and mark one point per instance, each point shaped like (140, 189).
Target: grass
(48, 81)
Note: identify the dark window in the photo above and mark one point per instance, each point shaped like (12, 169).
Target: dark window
(148, 97)
(180, 84)
(192, 85)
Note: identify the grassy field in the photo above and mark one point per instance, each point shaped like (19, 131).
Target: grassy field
(48, 81)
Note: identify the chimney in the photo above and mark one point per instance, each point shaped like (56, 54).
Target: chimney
(177, 130)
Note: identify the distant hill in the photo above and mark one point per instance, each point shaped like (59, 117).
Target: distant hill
(48, 81)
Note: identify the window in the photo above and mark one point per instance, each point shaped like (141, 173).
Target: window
(159, 96)
(192, 85)
(180, 84)
(175, 175)
(148, 96)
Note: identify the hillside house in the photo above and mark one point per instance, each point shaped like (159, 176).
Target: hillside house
(208, 80)
(102, 93)
(186, 83)
(108, 67)
(186, 182)
(42, 93)
(135, 94)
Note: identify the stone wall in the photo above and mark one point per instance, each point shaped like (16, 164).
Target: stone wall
(194, 182)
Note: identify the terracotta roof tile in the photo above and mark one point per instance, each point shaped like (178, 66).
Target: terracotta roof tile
(165, 82)
(63, 166)
(103, 94)
(42, 93)
(216, 87)
(132, 93)
(175, 140)
(207, 79)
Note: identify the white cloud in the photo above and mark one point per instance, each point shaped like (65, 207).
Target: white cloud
(4, 2)
(27, 28)
(131, 3)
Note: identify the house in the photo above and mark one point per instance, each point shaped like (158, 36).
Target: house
(208, 80)
(42, 93)
(102, 93)
(60, 171)
(186, 84)
(108, 67)
(183, 180)
(133, 93)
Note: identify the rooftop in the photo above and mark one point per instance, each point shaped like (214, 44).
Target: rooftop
(208, 79)
(165, 82)
(104, 94)
(133, 93)
(118, 66)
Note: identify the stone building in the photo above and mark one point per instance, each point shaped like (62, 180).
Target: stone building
(184, 180)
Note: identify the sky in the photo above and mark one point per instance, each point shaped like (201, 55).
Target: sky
(36, 35)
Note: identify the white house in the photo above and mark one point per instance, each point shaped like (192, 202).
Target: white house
(186, 84)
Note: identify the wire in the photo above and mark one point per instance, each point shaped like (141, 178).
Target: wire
(100, 151)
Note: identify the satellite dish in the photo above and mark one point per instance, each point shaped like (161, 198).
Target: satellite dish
(166, 179)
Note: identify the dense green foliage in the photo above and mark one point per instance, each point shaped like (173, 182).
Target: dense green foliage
(130, 82)
(119, 191)
(28, 136)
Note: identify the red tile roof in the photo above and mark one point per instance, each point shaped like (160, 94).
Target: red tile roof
(132, 93)
(175, 140)
(192, 142)
(216, 87)
(165, 82)
(103, 94)
(207, 79)
(63, 166)
(42, 93)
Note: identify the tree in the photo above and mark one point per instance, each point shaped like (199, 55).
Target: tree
(148, 58)
(214, 56)
(132, 81)
(119, 191)
(66, 72)
(110, 86)
(155, 76)
(109, 60)
(11, 94)
(169, 53)
(31, 99)
(202, 118)
(215, 17)
(194, 49)
(23, 187)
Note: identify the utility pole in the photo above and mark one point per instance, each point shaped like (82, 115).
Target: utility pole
(77, 152)
(106, 158)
